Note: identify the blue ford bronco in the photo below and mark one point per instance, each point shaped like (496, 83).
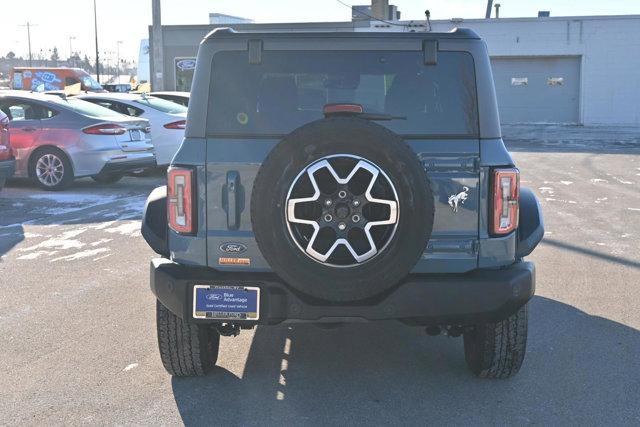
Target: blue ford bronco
(343, 177)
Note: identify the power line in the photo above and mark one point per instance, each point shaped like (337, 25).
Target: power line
(371, 16)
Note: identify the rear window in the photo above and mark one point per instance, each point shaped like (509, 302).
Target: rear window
(162, 105)
(289, 89)
(85, 108)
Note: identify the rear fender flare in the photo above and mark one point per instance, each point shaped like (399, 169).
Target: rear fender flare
(154, 227)
(530, 223)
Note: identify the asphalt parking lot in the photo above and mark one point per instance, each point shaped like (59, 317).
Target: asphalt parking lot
(77, 319)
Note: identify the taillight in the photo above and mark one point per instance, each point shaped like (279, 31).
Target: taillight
(180, 200)
(5, 147)
(506, 199)
(180, 124)
(105, 129)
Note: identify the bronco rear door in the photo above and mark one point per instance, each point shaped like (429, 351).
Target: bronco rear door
(263, 87)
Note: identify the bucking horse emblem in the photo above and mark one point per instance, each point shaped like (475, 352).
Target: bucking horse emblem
(456, 200)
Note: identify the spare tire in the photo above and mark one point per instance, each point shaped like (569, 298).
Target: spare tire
(342, 209)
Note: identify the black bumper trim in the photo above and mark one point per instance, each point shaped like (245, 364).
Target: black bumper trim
(460, 299)
(128, 165)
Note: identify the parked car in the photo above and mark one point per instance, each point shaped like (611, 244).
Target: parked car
(7, 162)
(58, 139)
(41, 79)
(368, 172)
(181, 98)
(117, 87)
(168, 119)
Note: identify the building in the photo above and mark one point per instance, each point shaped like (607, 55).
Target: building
(575, 69)
(222, 19)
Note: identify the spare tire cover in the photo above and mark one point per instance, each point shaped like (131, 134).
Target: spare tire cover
(342, 209)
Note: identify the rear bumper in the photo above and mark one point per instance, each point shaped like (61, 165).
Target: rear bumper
(7, 169)
(451, 299)
(129, 164)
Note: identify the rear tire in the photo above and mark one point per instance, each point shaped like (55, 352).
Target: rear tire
(496, 350)
(51, 169)
(186, 349)
(107, 178)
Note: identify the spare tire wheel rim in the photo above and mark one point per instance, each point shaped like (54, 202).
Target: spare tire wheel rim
(326, 214)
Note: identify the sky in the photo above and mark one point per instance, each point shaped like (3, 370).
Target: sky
(56, 21)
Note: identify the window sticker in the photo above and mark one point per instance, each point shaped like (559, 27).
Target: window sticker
(242, 118)
(519, 81)
(555, 81)
(184, 68)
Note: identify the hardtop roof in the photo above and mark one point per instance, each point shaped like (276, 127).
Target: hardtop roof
(226, 32)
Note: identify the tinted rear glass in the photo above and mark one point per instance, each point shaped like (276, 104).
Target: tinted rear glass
(162, 105)
(85, 108)
(289, 89)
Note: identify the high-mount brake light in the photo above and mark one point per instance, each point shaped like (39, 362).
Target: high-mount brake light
(180, 124)
(180, 209)
(343, 108)
(506, 200)
(105, 129)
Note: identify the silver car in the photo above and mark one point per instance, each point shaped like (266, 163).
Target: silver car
(56, 139)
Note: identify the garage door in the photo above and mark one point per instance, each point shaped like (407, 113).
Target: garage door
(537, 89)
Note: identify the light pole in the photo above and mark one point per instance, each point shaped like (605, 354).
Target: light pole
(95, 24)
(73, 61)
(118, 43)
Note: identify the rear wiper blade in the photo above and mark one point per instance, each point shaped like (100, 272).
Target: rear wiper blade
(374, 116)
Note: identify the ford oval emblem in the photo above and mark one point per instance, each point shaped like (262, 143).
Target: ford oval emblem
(233, 248)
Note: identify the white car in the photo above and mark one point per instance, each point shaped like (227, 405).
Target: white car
(181, 98)
(168, 119)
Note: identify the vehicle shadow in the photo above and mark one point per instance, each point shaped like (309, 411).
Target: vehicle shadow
(544, 138)
(578, 367)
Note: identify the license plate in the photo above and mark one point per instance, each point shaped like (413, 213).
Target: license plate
(226, 302)
(136, 135)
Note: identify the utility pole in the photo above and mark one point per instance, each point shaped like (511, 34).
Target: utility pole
(487, 14)
(29, 42)
(380, 9)
(156, 60)
(95, 23)
(73, 61)
(119, 42)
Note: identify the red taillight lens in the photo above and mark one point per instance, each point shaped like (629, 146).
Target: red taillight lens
(105, 129)
(180, 200)
(506, 200)
(343, 108)
(5, 147)
(180, 124)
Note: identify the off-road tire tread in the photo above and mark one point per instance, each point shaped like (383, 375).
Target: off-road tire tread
(497, 350)
(186, 349)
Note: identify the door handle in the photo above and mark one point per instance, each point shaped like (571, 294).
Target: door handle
(233, 199)
(29, 129)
